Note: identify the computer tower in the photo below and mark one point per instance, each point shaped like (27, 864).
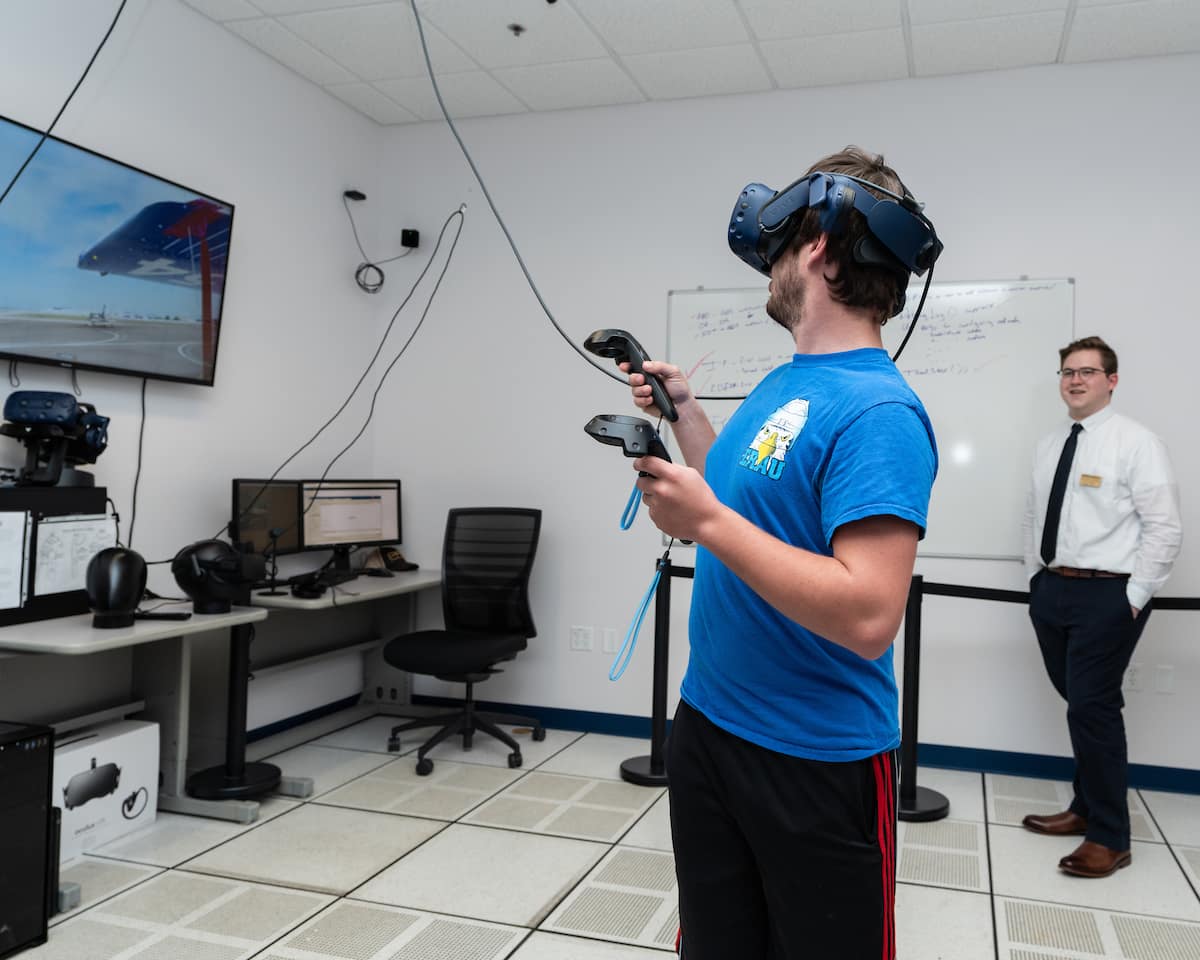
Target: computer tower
(26, 772)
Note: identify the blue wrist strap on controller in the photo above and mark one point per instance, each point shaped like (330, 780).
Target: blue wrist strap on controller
(631, 507)
(621, 661)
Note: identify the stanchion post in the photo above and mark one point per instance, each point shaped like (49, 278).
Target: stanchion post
(651, 771)
(916, 803)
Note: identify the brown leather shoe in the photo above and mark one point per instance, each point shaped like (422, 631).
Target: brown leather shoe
(1094, 860)
(1063, 824)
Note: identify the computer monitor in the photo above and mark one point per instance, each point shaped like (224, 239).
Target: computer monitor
(262, 506)
(339, 515)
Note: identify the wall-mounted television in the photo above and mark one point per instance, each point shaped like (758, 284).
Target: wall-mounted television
(107, 267)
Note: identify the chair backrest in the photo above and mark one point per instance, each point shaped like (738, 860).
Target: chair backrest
(487, 556)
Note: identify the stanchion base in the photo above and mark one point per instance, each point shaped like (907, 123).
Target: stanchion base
(928, 805)
(637, 770)
(213, 784)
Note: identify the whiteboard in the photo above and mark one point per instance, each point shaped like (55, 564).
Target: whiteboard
(982, 360)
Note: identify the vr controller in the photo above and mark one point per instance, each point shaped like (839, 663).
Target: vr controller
(620, 346)
(635, 436)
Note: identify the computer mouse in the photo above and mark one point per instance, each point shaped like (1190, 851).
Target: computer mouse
(377, 572)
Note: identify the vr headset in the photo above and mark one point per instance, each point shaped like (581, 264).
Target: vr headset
(900, 238)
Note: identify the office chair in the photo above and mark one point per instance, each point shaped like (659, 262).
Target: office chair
(487, 556)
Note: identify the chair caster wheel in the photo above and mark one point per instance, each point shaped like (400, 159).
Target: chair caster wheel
(515, 759)
(424, 767)
(539, 734)
(393, 744)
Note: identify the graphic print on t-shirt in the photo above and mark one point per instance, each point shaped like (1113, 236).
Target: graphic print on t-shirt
(768, 451)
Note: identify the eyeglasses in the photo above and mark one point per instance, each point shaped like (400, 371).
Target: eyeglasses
(1068, 373)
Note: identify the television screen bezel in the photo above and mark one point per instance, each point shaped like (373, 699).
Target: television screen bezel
(305, 547)
(122, 371)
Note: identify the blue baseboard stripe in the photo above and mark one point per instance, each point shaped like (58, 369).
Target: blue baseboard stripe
(1143, 775)
(259, 733)
(1146, 776)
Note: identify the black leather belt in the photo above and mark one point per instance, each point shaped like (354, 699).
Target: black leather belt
(1076, 573)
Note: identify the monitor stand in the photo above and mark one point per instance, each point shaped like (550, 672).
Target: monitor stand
(341, 558)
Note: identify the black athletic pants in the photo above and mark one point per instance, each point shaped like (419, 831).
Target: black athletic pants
(1087, 635)
(780, 858)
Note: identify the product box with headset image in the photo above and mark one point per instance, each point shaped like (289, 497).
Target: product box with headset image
(105, 783)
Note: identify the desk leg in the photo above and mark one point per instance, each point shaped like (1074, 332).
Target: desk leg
(162, 675)
(237, 779)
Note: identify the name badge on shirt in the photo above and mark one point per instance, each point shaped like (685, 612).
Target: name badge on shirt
(1088, 480)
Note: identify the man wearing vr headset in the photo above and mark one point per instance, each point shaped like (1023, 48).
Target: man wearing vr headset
(806, 512)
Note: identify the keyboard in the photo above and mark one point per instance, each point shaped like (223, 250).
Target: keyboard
(328, 578)
(331, 578)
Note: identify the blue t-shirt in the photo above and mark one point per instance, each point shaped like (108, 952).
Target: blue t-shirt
(822, 442)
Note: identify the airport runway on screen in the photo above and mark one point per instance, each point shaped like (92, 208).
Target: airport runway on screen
(169, 348)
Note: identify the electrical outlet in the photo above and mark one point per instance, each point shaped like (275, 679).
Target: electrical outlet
(609, 642)
(1133, 676)
(582, 638)
(1164, 678)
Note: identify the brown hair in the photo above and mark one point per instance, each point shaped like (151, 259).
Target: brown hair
(1108, 356)
(875, 288)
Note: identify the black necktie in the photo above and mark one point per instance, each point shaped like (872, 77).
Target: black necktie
(1057, 491)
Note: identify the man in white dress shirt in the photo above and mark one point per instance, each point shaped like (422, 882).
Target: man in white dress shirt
(1092, 572)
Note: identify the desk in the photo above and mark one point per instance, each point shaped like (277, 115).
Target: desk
(363, 614)
(355, 591)
(162, 673)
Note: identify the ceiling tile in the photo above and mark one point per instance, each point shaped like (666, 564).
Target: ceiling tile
(839, 58)
(474, 94)
(561, 86)
(365, 99)
(941, 11)
(377, 42)
(553, 32)
(280, 44)
(221, 10)
(1134, 30)
(779, 19)
(699, 73)
(997, 43)
(634, 26)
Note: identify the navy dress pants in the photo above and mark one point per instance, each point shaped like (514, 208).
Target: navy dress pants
(1087, 634)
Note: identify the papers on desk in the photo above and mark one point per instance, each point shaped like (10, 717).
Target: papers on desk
(65, 546)
(15, 529)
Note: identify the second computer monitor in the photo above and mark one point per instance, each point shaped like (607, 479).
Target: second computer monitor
(341, 514)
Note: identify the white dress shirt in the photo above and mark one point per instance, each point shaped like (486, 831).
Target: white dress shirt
(1121, 508)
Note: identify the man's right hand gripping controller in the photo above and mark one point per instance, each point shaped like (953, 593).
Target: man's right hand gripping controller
(620, 346)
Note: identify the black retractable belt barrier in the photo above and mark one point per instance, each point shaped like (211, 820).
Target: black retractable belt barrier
(651, 771)
(916, 803)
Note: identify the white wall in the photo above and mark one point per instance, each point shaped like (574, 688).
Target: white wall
(176, 95)
(1079, 172)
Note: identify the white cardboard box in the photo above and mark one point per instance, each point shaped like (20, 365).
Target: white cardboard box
(105, 783)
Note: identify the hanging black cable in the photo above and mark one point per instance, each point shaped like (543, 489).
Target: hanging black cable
(378, 350)
(383, 379)
(137, 476)
(368, 276)
(78, 83)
